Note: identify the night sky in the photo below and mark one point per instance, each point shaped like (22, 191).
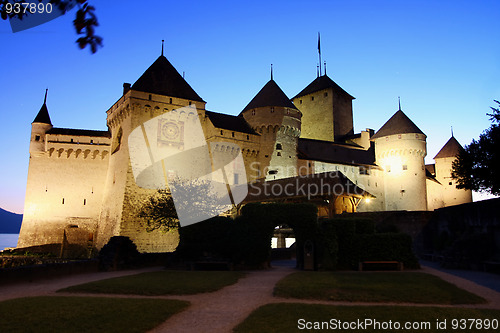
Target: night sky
(441, 57)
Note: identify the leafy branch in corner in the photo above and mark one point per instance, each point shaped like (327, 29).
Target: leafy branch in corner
(85, 21)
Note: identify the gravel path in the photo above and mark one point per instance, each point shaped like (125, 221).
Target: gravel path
(222, 310)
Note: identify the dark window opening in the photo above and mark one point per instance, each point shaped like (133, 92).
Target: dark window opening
(232, 134)
(84, 202)
(253, 112)
(279, 146)
(363, 171)
(71, 140)
(272, 109)
(248, 137)
(450, 183)
(326, 94)
(312, 98)
(273, 172)
(63, 201)
(37, 138)
(279, 154)
(190, 103)
(170, 101)
(221, 132)
(149, 97)
(300, 101)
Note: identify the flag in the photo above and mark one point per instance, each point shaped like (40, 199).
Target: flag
(319, 45)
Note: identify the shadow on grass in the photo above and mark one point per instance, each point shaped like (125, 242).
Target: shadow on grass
(286, 317)
(399, 287)
(161, 283)
(85, 314)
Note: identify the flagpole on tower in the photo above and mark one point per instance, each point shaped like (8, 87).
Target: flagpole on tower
(319, 53)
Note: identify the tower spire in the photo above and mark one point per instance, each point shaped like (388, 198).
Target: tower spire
(325, 66)
(399, 102)
(452, 131)
(45, 99)
(319, 53)
(271, 72)
(162, 41)
(317, 70)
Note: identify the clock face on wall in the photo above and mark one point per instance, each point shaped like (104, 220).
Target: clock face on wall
(171, 133)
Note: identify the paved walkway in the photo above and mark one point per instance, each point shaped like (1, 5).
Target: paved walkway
(222, 310)
(486, 279)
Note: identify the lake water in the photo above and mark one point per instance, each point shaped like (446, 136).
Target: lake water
(8, 240)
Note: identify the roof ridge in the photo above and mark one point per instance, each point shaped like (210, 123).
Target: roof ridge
(320, 83)
(43, 115)
(399, 123)
(270, 95)
(450, 149)
(163, 79)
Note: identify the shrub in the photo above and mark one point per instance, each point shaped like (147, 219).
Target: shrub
(364, 226)
(209, 238)
(119, 253)
(387, 246)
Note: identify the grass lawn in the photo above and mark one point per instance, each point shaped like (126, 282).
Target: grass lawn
(161, 283)
(284, 317)
(373, 287)
(85, 314)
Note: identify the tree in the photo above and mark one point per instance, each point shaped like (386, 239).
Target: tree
(159, 212)
(196, 200)
(477, 166)
(84, 23)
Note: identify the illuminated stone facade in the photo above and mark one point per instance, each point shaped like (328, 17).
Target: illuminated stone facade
(81, 188)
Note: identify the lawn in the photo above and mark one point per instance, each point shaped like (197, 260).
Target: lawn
(161, 283)
(85, 314)
(287, 317)
(396, 287)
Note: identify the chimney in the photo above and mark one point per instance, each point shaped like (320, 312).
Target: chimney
(126, 87)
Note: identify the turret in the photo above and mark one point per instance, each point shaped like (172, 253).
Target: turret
(444, 160)
(278, 121)
(326, 110)
(400, 148)
(39, 127)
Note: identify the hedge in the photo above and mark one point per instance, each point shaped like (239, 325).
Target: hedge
(387, 246)
(347, 241)
(246, 240)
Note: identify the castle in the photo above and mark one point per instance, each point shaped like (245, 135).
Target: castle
(81, 188)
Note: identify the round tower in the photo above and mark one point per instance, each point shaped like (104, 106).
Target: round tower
(400, 148)
(444, 165)
(271, 114)
(39, 127)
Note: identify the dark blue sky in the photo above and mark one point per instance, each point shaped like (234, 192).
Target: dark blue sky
(441, 57)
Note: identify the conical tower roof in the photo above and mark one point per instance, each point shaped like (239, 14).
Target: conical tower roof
(43, 114)
(270, 95)
(321, 83)
(163, 79)
(398, 124)
(450, 149)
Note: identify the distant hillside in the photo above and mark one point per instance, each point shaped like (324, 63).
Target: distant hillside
(10, 223)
